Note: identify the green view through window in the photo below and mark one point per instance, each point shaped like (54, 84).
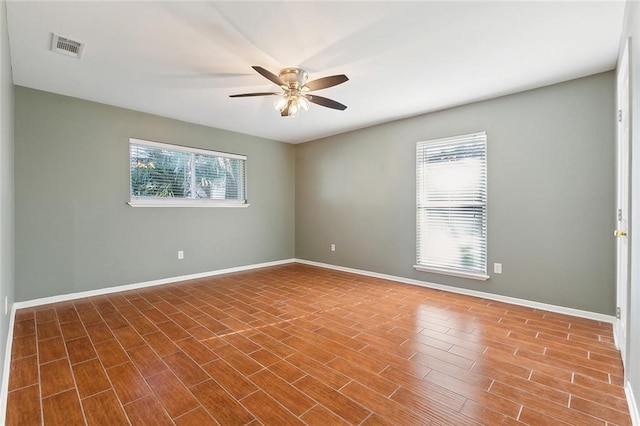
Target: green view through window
(163, 174)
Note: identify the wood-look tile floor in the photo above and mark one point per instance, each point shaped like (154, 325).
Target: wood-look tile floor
(296, 344)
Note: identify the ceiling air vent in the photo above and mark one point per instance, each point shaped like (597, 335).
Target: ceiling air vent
(67, 46)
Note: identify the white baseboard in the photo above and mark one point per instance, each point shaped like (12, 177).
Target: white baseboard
(126, 287)
(616, 338)
(4, 391)
(497, 297)
(507, 299)
(633, 405)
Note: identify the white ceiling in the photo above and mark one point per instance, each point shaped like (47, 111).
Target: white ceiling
(183, 59)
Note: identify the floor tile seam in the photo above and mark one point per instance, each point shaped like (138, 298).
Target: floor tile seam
(543, 330)
(25, 386)
(599, 341)
(490, 409)
(121, 364)
(533, 364)
(433, 355)
(571, 368)
(308, 410)
(60, 392)
(474, 398)
(225, 390)
(209, 377)
(626, 412)
(520, 412)
(173, 420)
(400, 386)
(371, 414)
(598, 337)
(591, 366)
(581, 322)
(596, 354)
(335, 390)
(415, 411)
(168, 337)
(308, 339)
(553, 403)
(40, 394)
(595, 417)
(13, 358)
(615, 388)
(148, 395)
(187, 388)
(377, 374)
(588, 390)
(111, 387)
(106, 374)
(493, 379)
(579, 345)
(261, 389)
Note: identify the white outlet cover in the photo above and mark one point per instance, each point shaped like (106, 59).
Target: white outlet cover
(497, 268)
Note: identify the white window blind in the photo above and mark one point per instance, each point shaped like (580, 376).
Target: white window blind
(452, 206)
(163, 174)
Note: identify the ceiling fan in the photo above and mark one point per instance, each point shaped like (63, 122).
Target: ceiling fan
(295, 90)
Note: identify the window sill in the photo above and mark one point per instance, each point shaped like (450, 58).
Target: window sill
(470, 275)
(184, 203)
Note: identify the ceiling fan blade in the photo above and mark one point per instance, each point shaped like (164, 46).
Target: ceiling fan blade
(246, 95)
(324, 82)
(326, 102)
(269, 75)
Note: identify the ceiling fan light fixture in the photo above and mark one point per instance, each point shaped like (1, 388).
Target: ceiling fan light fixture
(290, 104)
(294, 109)
(302, 100)
(281, 102)
(295, 97)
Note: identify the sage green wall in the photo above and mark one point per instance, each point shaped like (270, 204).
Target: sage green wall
(632, 29)
(550, 194)
(74, 230)
(6, 191)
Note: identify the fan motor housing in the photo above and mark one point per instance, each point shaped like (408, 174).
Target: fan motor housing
(294, 77)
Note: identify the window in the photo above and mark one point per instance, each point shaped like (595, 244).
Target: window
(172, 175)
(451, 205)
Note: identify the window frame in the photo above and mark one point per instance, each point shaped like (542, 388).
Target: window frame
(458, 272)
(182, 201)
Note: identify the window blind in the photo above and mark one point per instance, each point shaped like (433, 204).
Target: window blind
(452, 204)
(165, 172)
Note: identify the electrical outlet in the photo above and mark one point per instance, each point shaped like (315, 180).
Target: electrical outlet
(333, 247)
(497, 268)
(180, 254)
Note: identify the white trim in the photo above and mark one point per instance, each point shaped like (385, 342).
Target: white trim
(481, 294)
(183, 202)
(633, 405)
(461, 138)
(182, 148)
(4, 391)
(470, 275)
(126, 287)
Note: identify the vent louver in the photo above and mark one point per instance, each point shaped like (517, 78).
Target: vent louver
(67, 46)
